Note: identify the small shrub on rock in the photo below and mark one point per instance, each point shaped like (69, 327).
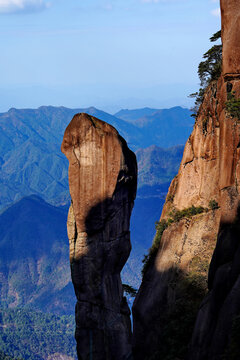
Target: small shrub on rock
(233, 105)
(213, 205)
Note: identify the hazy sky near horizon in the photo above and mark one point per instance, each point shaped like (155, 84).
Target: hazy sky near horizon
(110, 54)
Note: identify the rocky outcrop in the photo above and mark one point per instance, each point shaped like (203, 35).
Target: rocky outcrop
(230, 13)
(102, 181)
(174, 284)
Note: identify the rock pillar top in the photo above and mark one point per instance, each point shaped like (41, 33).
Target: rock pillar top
(94, 153)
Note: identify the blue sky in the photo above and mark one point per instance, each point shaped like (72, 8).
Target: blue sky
(110, 54)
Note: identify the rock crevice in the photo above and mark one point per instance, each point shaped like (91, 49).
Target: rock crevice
(102, 182)
(166, 306)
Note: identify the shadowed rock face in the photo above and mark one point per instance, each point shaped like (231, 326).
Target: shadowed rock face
(165, 307)
(102, 182)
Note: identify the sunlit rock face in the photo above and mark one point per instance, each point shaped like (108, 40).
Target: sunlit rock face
(230, 12)
(176, 278)
(102, 182)
(215, 333)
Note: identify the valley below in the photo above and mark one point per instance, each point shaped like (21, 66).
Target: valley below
(34, 265)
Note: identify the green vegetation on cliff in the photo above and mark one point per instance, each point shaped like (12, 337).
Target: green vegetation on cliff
(233, 105)
(174, 216)
(152, 252)
(177, 215)
(208, 70)
(190, 287)
(33, 335)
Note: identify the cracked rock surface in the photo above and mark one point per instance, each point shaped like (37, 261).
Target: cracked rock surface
(176, 278)
(102, 182)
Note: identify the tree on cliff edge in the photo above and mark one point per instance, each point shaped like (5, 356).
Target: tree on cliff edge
(208, 70)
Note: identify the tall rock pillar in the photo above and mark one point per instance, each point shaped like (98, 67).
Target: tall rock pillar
(102, 182)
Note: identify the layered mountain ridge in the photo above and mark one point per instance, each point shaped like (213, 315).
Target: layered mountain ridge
(30, 157)
(34, 268)
(25, 229)
(31, 163)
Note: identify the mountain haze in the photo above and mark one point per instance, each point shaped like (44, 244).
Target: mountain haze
(34, 266)
(157, 165)
(164, 128)
(30, 158)
(31, 163)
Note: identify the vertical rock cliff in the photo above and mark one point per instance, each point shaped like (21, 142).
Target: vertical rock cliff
(201, 213)
(102, 181)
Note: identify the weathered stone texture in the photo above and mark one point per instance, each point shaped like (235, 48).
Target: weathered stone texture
(102, 181)
(210, 170)
(230, 12)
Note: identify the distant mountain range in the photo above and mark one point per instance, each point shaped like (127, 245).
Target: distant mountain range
(164, 128)
(133, 116)
(34, 255)
(30, 158)
(157, 165)
(34, 265)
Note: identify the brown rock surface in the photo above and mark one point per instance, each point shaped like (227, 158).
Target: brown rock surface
(102, 181)
(165, 309)
(230, 12)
